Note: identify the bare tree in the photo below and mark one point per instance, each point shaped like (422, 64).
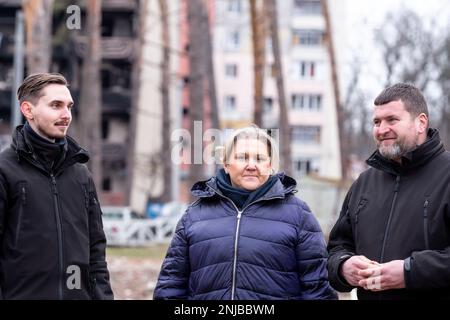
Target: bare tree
(335, 81)
(135, 87)
(90, 109)
(356, 116)
(197, 71)
(259, 57)
(210, 74)
(406, 48)
(38, 22)
(442, 62)
(165, 96)
(414, 52)
(285, 130)
(411, 51)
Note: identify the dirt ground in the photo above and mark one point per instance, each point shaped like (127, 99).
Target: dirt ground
(134, 270)
(133, 278)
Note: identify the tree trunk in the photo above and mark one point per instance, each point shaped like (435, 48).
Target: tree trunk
(38, 23)
(197, 67)
(259, 57)
(211, 81)
(337, 97)
(90, 94)
(285, 137)
(135, 89)
(165, 96)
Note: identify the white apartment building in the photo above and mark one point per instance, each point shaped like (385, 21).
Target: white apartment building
(307, 74)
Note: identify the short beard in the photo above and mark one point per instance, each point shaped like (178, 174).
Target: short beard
(397, 150)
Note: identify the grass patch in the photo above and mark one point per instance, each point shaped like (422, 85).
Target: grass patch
(157, 251)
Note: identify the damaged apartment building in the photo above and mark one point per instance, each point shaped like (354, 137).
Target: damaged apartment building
(118, 33)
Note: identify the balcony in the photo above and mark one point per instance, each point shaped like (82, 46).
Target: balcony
(111, 48)
(11, 3)
(119, 5)
(116, 102)
(113, 152)
(307, 7)
(5, 99)
(6, 45)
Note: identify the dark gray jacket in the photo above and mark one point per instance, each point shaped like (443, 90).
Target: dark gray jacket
(52, 244)
(399, 212)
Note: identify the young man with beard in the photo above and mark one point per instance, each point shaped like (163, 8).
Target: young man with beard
(52, 244)
(392, 238)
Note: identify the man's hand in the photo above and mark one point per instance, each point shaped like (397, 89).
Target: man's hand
(352, 267)
(386, 276)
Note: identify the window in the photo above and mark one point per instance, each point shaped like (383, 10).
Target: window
(307, 102)
(233, 40)
(231, 70)
(302, 167)
(306, 134)
(116, 76)
(230, 103)
(315, 102)
(306, 37)
(106, 184)
(307, 7)
(304, 70)
(297, 101)
(105, 128)
(234, 6)
(267, 105)
(116, 24)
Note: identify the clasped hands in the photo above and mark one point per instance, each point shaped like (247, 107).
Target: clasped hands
(359, 271)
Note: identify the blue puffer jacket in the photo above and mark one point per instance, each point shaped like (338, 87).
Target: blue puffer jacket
(272, 249)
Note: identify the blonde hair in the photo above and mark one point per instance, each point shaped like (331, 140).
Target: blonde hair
(253, 132)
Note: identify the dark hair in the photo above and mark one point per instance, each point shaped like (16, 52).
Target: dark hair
(31, 87)
(411, 97)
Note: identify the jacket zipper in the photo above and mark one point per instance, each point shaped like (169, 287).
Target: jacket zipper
(86, 198)
(93, 284)
(360, 206)
(386, 231)
(425, 223)
(23, 201)
(236, 236)
(59, 232)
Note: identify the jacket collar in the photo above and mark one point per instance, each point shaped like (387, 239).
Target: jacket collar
(24, 149)
(421, 155)
(284, 186)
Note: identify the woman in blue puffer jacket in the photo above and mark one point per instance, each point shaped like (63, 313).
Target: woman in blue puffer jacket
(248, 236)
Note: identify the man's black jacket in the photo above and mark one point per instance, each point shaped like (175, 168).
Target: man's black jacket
(397, 212)
(52, 244)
